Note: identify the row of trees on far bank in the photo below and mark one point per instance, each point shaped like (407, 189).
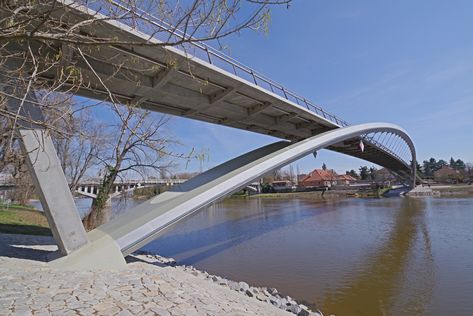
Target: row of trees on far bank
(364, 173)
(456, 170)
(430, 166)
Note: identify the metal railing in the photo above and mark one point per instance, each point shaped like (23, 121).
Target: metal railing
(134, 181)
(217, 58)
(396, 148)
(227, 63)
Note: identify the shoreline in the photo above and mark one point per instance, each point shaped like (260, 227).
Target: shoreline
(442, 191)
(148, 284)
(264, 294)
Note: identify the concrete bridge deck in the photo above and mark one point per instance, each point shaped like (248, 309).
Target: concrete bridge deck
(201, 83)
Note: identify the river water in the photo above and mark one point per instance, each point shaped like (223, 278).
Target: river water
(393, 256)
(396, 256)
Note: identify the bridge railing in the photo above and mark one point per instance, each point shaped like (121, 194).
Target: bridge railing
(211, 55)
(149, 24)
(391, 144)
(134, 181)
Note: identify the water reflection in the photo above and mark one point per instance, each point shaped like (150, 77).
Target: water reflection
(231, 228)
(119, 205)
(350, 257)
(379, 287)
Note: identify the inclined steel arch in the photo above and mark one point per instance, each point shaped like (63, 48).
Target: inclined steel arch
(143, 223)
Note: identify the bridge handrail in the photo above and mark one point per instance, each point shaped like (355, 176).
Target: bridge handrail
(134, 181)
(210, 51)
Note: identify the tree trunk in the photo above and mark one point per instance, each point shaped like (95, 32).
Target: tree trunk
(101, 206)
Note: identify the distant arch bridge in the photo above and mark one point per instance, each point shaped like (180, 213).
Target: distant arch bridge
(90, 188)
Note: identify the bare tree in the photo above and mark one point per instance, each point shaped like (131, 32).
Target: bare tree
(136, 144)
(80, 142)
(469, 170)
(45, 49)
(38, 39)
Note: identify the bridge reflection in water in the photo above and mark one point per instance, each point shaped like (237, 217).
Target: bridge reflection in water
(381, 285)
(350, 257)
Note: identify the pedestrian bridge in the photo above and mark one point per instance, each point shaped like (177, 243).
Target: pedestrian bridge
(201, 83)
(198, 82)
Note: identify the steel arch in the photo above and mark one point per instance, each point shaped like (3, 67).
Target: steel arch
(142, 224)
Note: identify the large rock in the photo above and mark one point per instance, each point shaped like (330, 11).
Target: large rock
(243, 286)
(261, 296)
(295, 309)
(273, 291)
(303, 312)
(275, 301)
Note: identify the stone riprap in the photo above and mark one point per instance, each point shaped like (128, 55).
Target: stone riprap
(263, 294)
(149, 285)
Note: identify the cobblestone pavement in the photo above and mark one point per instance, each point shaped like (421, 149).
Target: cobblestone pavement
(31, 288)
(140, 289)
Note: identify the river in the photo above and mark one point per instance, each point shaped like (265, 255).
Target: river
(396, 256)
(393, 256)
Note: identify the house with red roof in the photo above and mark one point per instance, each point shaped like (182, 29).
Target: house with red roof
(345, 179)
(319, 178)
(325, 178)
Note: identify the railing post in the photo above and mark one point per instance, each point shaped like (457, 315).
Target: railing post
(254, 78)
(307, 105)
(234, 70)
(284, 91)
(208, 55)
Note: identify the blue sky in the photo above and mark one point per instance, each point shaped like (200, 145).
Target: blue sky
(405, 62)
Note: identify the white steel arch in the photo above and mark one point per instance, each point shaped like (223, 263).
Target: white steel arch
(144, 223)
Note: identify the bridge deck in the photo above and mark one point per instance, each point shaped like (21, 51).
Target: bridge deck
(199, 89)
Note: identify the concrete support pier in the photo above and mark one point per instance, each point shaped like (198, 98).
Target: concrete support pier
(45, 169)
(53, 190)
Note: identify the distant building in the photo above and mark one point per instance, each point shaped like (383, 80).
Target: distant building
(282, 186)
(345, 179)
(320, 178)
(448, 174)
(301, 177)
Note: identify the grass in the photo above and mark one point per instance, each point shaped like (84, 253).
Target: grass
(17, 219)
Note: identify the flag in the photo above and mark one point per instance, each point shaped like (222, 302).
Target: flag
(362, 146)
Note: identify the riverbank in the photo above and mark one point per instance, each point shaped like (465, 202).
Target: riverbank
(440, 190)
(149, 285)
(18, 219)
(454, 190)
(314, 195)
